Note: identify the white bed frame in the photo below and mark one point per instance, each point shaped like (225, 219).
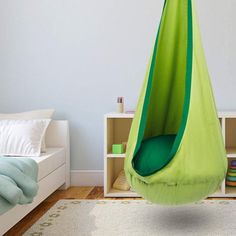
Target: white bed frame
(57, 136)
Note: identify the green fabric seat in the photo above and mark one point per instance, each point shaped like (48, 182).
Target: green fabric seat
(175, 152)
(153, 154)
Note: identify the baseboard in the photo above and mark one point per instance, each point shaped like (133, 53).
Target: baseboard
(86, 177)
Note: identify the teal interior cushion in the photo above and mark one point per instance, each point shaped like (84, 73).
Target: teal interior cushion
(153, 154)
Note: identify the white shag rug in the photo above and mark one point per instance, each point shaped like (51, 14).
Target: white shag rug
(136, 218)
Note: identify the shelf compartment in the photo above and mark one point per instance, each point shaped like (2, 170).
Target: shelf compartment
(230, 136)
(114, 166)
(117, 131)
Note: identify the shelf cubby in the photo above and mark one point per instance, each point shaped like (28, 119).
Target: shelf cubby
(114, 166)
(230, 137)
(117, 131)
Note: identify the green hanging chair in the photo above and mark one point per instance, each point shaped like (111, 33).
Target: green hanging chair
(175, 152)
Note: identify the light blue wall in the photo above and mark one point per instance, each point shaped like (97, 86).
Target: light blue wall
(77, 56)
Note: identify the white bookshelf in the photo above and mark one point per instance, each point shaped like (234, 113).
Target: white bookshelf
(116, 130)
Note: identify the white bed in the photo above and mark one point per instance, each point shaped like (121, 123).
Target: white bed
(54, 172)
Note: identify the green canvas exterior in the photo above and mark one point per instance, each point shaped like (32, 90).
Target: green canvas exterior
(177, 99)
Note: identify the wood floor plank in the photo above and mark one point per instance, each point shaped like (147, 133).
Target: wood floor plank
(96, 193)
(71, 193)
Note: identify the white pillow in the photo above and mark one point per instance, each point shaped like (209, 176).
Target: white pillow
(22, 137)
(30, 115)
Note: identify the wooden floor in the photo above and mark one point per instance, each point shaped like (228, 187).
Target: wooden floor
(71, 193)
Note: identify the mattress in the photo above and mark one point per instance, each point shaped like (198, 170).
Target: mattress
(49, 161)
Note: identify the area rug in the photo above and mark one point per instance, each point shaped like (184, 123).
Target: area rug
(136, 218)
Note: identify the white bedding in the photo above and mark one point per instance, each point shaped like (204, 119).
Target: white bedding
(49, 161)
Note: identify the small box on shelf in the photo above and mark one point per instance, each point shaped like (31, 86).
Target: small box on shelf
(117, 148)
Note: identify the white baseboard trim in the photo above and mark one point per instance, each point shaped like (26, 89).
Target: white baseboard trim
(86, 177)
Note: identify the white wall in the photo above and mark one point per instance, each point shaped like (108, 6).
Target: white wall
(218, 26)
(77, 56)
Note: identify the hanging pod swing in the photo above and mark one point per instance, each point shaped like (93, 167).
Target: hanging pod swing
(175, 152)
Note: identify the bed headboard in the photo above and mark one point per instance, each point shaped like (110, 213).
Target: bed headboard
(57, 135)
